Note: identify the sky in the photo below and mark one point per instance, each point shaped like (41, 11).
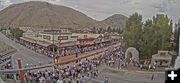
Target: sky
(101, 9)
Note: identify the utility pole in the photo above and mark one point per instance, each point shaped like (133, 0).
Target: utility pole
(21, 72)
(59, 50)
(54, 58)
(53, 36)
(120, 48)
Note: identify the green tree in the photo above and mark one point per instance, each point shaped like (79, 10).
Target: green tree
(114, 30)
(94, 28)
(154, 35)
(150, 40)
(109, 29)
(16, 32)
(177, 33)
(133, 31)
(103, 31)
(99, 31)
(119, 30)
(176, 36)
(165, 30)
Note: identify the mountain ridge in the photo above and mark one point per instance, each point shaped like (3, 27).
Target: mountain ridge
(40, 14)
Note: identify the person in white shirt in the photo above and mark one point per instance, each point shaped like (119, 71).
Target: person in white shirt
(59, 81)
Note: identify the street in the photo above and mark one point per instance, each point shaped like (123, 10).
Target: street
(117, 76)
(30, 57)
(27, 56)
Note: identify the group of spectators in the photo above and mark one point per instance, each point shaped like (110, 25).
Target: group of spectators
(74, 73)
(85, 49)
(69, 51)
(89, 68)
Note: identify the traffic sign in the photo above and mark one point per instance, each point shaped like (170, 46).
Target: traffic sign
(28, 66)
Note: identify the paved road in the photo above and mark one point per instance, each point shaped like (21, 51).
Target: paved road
(116, 76)
(28, 56)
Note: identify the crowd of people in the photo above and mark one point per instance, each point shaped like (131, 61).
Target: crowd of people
(85, 49)
(75, 73)
(65, 51)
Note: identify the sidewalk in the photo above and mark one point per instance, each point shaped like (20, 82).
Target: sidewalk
(73, 63)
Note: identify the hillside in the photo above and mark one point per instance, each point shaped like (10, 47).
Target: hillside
(39, 14)
(115, 21)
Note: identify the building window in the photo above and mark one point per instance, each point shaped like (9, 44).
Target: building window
(46, 37)
(74, 36)
(85, 36)
(39, 35)
(62, 37)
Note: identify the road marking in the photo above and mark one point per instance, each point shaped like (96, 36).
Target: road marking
(135, 71)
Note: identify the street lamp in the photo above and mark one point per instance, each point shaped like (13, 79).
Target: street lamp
(120, 48)
(59, 50)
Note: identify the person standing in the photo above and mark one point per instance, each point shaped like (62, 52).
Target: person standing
(48, 80)
(140, 66)
(105, 80)
(152, 78)
(149, 68)
(76, 57)
(81, 79)
(59, 81)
